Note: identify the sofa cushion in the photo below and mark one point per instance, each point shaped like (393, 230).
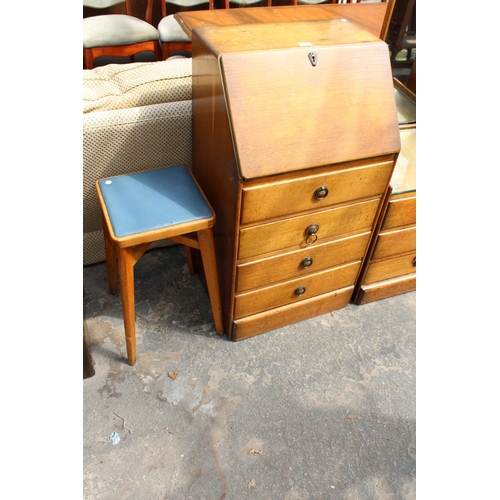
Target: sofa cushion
(122, 86)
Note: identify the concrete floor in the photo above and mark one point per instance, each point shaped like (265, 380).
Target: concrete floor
(322, 409)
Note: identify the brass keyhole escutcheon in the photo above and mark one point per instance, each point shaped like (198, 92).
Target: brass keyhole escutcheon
(307, 262)
(311, 233)
(321, 192)
(300, 291)
(414, 262)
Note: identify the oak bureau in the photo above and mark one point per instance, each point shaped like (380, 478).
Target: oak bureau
(295, 135)
(390, 267)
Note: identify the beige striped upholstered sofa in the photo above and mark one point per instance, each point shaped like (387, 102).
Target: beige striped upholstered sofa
(135, 117)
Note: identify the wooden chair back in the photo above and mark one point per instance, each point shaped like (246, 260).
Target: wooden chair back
(128, 50)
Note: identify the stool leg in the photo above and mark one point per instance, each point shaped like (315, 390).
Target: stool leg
(126, 262)
(190, 260)
(207, 249)
(110, 250)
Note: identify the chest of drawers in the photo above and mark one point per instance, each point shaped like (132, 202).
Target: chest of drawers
(295, 136)
(391, 263)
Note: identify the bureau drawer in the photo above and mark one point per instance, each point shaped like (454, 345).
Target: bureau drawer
(396, 242)
(289, 233)
(281, 267)
(390, 268)
(292, 291)
(400, 212)
(284, 197)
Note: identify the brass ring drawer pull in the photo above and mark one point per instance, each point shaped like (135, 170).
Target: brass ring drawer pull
(414, 262)
(300, 291)
(307, 262)
(321, 192)
(311, 233)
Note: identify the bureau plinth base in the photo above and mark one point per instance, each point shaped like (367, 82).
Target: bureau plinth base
(292, 313)
(387, 288)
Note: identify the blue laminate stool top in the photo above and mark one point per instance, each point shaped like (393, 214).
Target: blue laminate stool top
(154, 199)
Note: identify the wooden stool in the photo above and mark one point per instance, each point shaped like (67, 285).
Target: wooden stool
(141, 208)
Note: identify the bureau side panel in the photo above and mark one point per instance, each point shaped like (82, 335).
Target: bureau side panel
(214, 167)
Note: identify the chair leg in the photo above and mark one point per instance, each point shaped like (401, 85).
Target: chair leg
(126, 262)
(165, 51)
(157, 51)
(207, 249)
(88, 57)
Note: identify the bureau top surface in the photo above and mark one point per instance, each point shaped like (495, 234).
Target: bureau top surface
(369, 15)
(286, 35)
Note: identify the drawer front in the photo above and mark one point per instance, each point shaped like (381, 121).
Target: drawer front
(281, 267)
(292, 232)
(395, 243)
(391, 268)
(295, 290)
(314, 192)
(401, 212)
